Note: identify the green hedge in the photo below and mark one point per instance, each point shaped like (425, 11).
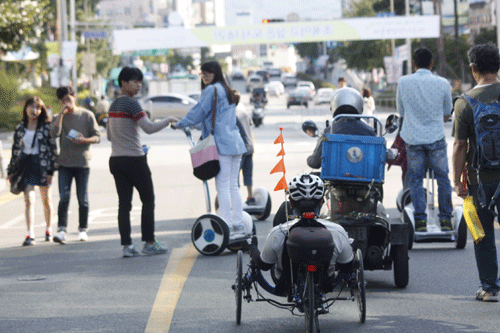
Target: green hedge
(11, 108)
(8, 97)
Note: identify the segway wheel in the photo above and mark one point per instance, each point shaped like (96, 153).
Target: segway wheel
(360, 292)
(461, 239)
(210, 235)
(238, 283)
(262, 196)
(401, 267)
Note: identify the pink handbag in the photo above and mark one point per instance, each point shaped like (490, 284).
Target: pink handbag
(204, 155)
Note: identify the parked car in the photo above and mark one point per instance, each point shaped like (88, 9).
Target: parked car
(167, 105)
(275, 73)
(254, 81)
(195, 95)
(237, 76)
(324, 96)
(275, 88)
(299, 96)
(289, 79)
(310, 85)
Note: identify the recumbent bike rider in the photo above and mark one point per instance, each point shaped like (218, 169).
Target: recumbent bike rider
(306, 197)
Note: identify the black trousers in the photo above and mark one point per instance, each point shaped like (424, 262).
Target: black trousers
(130, 172)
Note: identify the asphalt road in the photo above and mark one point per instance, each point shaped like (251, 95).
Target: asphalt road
(89, 287)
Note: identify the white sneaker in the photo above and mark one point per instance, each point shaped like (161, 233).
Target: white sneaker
(83, 237)
(60, 237)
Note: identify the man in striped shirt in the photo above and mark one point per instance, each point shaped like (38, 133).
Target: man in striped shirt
(128, 162)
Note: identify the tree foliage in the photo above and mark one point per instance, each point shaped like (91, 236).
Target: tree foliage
(21, 23)
(486, 36)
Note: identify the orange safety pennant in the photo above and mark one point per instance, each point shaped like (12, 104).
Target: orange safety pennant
(279, 139)
(280, 167)
(282, 185)
(282, 152)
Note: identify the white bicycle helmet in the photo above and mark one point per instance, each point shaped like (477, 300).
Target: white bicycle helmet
(306, 187)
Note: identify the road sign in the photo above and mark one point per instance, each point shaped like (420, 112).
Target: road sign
(158, 52)
(89, 63)
(95, 34)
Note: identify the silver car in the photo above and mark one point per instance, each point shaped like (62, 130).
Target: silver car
(167, 105)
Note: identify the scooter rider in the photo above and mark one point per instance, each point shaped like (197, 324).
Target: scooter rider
(345, 101)
(306, 196)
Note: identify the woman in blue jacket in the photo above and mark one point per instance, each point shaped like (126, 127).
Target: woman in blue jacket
(230, 145)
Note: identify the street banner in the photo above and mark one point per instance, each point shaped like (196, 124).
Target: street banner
(364, 28)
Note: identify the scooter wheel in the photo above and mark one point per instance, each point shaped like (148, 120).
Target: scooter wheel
(210, 235)
(263, 198)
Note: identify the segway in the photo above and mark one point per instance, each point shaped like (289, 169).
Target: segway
(210, 234)
(262, 207)
(458, 234)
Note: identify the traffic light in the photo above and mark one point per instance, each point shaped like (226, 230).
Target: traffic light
(266, 21)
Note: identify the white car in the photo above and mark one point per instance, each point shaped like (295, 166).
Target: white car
(289, 79)
(275, 88)
(324, 96)
(308, 84)
(254, 81)
(167, 105)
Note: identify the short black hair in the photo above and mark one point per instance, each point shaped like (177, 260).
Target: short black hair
(63, 91)
(341, 79)
(422, 57)
(485, 57)
(129, 74)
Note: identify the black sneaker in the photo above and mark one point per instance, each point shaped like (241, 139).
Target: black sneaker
(421, 225)
(251, 202)
(48, 236)
(29, 241)
(445, 225)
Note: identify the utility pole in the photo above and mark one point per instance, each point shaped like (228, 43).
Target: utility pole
(497, 11)
(409, 65)
(393, 45)
(73, 38)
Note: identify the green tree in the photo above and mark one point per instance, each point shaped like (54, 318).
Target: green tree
(310, 50)
(486, 36)
(21, 23)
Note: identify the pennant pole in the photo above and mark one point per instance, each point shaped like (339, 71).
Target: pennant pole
(280, 167)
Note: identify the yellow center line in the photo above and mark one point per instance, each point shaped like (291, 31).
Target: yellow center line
(179, 265)
(7, 197)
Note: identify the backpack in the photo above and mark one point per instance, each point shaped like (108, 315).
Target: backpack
(487, 129)
(487, 154)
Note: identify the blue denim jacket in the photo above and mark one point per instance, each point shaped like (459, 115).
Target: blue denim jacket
(227, 135)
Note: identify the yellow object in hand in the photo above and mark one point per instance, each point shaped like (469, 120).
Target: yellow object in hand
(472, 220)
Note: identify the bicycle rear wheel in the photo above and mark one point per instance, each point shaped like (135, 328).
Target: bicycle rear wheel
(360, 292)
(311, 317)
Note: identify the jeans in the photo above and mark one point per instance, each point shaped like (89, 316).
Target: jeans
(247, 169)
(130, 172)
(421, 158)
(66, 176)
(228, 192)
(486, 251)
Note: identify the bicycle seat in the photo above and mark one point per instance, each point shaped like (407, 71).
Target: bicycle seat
(310, 246)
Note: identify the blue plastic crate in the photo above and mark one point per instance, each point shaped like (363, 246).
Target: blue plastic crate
(353, 158)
